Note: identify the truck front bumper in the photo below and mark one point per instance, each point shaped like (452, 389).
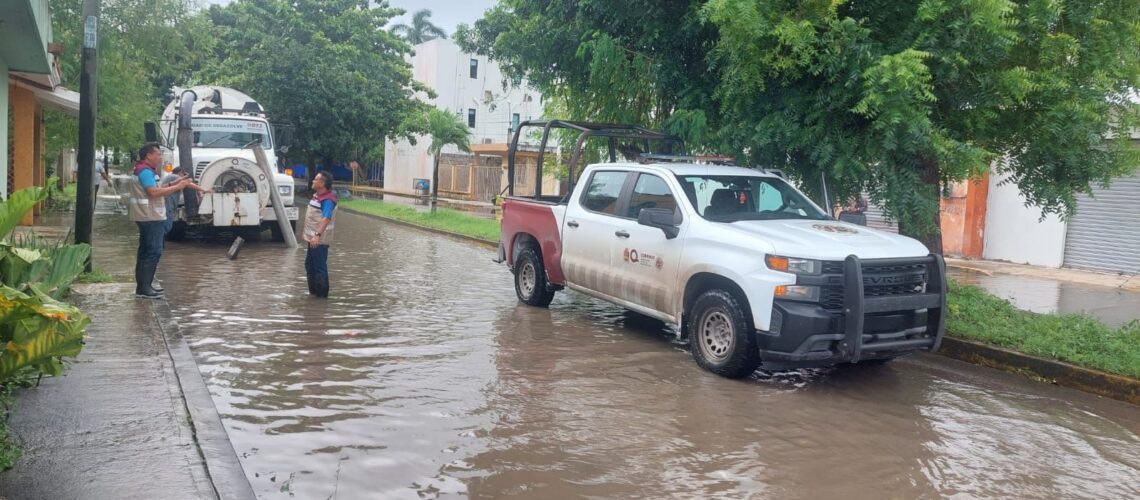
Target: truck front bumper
(865, 327)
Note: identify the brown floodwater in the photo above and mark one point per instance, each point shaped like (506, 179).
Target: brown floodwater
(422, 377)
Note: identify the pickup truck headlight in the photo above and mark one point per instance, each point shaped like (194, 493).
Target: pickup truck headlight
(798, 292)
(793, 265)
(285, 190)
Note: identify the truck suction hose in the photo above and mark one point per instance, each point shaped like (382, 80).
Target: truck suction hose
(185, 143)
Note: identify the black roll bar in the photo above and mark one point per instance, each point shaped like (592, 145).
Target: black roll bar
(612, 131)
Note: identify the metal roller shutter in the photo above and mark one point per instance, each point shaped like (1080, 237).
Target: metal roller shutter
(876, 219)
(1104, 234)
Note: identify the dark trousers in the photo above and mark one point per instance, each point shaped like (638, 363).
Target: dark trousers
(151, 235)
(150, 240)
(317, 270)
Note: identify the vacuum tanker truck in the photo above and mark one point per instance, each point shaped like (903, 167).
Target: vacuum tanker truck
(217, 143)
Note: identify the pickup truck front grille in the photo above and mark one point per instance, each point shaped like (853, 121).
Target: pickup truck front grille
(878, 281)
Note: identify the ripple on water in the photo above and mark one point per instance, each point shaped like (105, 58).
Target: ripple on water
(422, 376)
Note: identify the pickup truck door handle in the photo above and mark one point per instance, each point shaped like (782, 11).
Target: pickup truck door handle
(572, 223)
(621, 234)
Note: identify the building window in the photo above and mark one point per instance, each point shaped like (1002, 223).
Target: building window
(474, 68)
(471, 117)
(514, 121)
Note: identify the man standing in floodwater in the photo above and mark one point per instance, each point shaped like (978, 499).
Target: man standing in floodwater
(148, 209)
(319, 222)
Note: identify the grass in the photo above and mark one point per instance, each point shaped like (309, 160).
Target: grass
(9, 448)
(448, 220)
(98, 276)
(1077, 339)
(974, 314)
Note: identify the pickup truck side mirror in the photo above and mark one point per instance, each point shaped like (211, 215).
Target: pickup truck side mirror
(661, 218)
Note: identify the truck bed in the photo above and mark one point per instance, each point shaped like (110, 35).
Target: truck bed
(538, 218)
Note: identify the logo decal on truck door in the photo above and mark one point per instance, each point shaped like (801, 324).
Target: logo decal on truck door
(632, 256)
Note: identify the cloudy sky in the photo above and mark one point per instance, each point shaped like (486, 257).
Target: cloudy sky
(444, 13)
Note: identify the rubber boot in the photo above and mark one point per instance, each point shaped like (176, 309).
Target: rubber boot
(146, 275)
(138, 276)
(321, 285)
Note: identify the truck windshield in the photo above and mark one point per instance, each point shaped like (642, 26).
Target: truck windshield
(222, 133)
(735, 198)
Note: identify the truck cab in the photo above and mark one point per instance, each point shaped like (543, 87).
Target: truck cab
(751, 270)
(225, 124)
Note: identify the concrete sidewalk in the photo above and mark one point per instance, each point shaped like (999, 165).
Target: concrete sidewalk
(130, 418)
(1121, 281)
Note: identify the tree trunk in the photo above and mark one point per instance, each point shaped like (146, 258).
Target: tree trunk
(931, 183)
(310, 171)
(434, 183)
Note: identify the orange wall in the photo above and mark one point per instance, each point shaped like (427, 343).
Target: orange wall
(964, 218)
(24, 107)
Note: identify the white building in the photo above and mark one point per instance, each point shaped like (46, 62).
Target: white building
(472, 87)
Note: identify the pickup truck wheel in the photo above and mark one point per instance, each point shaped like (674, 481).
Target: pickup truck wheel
(530, 279)
(721, 336)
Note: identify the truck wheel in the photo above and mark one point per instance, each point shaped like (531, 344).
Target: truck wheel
(530, 279)
(276, 234)
(177, 232)
(721, 336)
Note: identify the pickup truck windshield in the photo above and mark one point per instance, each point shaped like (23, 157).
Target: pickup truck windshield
(736, 198)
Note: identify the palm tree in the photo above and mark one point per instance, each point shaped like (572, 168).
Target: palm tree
(445, 128)
(421, 29)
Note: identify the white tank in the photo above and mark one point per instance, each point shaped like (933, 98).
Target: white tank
(209, 96)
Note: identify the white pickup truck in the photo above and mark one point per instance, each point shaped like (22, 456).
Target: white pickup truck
(751, 271)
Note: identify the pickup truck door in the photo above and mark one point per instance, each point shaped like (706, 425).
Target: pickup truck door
(589, 232)
(645, 261)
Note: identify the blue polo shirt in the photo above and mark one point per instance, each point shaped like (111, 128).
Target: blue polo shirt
(147, 178)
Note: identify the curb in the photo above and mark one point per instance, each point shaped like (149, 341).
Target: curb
(1046, 370)
(1055, 372)
(222, 465)
(472, 239)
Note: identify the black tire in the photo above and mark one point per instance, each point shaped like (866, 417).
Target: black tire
(275, 233)
(721, 336)
(530, 279)
(177, 232)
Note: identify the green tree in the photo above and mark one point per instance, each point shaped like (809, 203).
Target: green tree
(145, 47)
(893, 97)
(445, 129)
(421, 29)
(325, 68)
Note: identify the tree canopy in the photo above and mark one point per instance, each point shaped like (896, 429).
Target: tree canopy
(325, 67)
(145, 47)
(892, 97)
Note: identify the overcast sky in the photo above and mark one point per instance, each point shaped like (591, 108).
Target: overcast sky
(446, 14)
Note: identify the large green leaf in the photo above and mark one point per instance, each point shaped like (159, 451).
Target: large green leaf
(36, 330)
(18, 204)
(67, 263)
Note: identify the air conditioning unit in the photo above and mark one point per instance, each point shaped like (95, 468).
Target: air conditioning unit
(488, 140)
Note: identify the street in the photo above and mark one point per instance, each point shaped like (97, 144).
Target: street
(423, 376)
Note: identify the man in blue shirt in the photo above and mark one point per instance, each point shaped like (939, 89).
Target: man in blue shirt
(320, 220)
(148, 209)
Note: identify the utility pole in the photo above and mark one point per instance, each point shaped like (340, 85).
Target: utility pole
(88, 106)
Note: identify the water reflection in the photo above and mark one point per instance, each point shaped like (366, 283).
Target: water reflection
(422, 376)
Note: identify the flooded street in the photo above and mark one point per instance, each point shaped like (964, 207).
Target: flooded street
(422, 376)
